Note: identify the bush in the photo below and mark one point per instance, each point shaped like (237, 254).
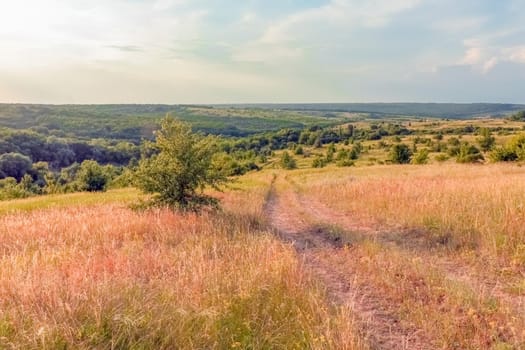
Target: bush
(512, 151)
(469, 154)
(319, 162)
(400, 154)
(287, 161)
(421, 157)
(92, 177)
(486, 140)
(180, 167)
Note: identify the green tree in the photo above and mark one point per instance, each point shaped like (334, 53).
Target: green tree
(180, 167)
(14, 165)
(92, 177)
(400, 154)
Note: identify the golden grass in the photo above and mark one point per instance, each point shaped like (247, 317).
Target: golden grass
(104, 276)
(449, 302)
(464, 206)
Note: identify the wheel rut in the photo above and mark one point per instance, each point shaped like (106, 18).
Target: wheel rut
(452, 269)
(327, 259)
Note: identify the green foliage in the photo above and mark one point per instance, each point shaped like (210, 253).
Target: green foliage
(514, 150)
(486, 141)
(469, 154)
(229, 166)
(287, 161)
(299, 150)
(11, 189)
(503, 154)
(400, 154)
(319, 162)
(421, 157)
(355, 151)
(180, 168)
(92, 177)
(14, 165)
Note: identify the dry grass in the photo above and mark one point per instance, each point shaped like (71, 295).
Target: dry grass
(108, 277)
(432, 290)
(469, 207)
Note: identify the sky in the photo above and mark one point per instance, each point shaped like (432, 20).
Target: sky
(257, 51)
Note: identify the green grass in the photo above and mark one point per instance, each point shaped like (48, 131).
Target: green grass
(126, 195)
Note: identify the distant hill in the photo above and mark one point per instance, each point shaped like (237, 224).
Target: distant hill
(438, 110)
(133, 122)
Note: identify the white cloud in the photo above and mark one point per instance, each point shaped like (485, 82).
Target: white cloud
(473, 55)
(487, 57)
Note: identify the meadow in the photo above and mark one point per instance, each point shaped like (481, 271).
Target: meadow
(329, 245)
(100, 275)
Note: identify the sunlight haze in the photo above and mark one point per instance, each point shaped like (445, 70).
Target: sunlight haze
(203, 51)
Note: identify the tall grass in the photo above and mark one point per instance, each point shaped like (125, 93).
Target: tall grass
(481, 207)
(107, 277)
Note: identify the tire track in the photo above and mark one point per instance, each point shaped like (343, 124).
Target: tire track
(327, 259)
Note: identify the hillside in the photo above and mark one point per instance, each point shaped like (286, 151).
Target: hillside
(437, 110)
(134, 122)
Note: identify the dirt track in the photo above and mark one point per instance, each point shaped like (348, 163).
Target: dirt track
(299, 219)
(330, 261)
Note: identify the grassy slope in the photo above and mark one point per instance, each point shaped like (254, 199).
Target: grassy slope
(99, 275)
(441, 245)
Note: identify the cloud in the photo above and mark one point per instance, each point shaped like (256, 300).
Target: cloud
(227, 51)
(343, 14)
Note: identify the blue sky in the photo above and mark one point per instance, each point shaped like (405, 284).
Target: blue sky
(215, 51)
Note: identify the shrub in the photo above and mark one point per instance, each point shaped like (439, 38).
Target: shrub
(469, 154)
(319, 162)
(486, 140)
(421, 157)
(92, 177)
(400, 154)
(287, 161)
(180, 168)
(512, 151)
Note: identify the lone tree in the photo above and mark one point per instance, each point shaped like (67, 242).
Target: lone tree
(179, 168)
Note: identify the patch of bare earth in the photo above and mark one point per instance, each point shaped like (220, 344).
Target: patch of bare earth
(331, 262)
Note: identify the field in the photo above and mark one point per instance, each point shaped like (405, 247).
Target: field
(380, 256)
(338, 252)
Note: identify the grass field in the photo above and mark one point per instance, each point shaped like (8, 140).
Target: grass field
(368, 256)
(96, 274)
